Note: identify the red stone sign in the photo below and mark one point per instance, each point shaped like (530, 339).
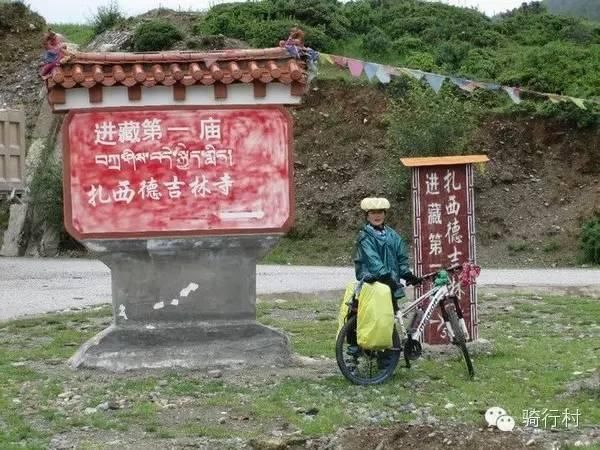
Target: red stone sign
(178, 172)
(444, 229)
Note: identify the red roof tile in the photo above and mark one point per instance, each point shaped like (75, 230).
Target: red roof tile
(169, 68)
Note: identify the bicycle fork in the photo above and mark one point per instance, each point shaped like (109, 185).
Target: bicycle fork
(446, 318)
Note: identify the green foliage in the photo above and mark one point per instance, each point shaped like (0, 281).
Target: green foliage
(15, 16)
(106, 17)
(74, 32)
(45, 191)
(376, 42)
(450, 55)
(430, 125)
(528, 46)
(422, 123)
(584, 8)
(155, 35)
(590, 240)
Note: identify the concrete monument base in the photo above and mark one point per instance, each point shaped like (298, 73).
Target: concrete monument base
(191, 346)
(183, 303)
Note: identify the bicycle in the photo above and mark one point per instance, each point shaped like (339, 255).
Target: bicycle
(366, 367)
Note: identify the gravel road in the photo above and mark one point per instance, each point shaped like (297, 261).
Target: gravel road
(35, 286)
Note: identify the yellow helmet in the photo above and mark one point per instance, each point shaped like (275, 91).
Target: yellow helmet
(370, 203)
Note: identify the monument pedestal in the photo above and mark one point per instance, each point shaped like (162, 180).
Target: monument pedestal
(183, 303)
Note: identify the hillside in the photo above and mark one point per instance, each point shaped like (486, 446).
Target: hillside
(589, 9)
(542, 181)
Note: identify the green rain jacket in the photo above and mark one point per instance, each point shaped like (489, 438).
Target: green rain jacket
(381, 254)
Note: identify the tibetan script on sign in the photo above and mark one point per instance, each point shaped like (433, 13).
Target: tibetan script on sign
(171, 172)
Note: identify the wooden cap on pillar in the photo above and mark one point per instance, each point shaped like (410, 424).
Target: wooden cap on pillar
(444, 160)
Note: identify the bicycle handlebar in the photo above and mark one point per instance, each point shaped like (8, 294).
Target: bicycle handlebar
(453, 268)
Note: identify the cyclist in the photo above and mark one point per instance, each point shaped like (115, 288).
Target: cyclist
(381, 253)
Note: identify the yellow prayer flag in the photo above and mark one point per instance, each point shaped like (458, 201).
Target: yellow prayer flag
(324, 57)
(554, 98)
(578, 102)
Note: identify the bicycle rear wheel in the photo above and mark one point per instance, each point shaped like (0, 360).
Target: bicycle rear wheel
(366, 366)
(460, 339)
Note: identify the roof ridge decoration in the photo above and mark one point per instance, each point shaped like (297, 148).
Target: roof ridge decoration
(291, 64)
(83, 69)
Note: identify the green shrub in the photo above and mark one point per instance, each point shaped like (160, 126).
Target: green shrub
(15, 16)
(376, 42)
(590, 240)
(46, 191)
(405, 44)
(106, 17)
(155, 35)
(425, 124)
(518, 247)
(450, 55)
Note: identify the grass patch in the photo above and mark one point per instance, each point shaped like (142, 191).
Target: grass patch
(321, 249)
(542, 348)
(551, 247)
(518, 247)
(79, 34)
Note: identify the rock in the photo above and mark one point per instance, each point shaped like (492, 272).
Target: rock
(449, 405)
(507, 177)
(163, 383)
(509, 308)
(12, 236)
(408, 407)
(50, 242)
(16, 401)
(102, 406)
(530, 442)
(215, 373)
(60, 443)
(89, 411)
(267, 444)
(222, 420)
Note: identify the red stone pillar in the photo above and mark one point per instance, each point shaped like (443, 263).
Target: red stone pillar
(444, 228)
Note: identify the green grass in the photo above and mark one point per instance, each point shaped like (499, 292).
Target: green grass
(518, 247)
(323, 249)
(77, 33)
(539, 348)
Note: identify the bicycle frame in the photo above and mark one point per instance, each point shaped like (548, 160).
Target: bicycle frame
(436, 294)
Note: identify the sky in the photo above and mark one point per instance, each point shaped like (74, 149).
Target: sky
(77, 11)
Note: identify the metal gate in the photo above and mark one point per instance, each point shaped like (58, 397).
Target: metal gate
(12, 151)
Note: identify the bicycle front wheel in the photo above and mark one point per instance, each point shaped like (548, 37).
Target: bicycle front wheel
(366, 367)
(460, 339)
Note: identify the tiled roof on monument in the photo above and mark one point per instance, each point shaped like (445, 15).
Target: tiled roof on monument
(178, 69)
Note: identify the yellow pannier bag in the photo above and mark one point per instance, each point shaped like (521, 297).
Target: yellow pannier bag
(343, 314)
(375, 321)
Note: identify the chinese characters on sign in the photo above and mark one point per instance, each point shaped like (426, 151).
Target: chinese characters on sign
(444, 232)
(170, 172)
